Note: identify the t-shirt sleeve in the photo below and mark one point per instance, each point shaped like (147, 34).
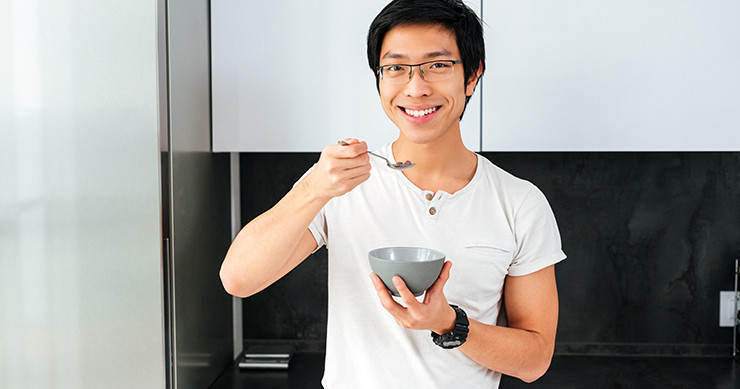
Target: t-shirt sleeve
(318, 229)
(318, 225)
(537, 236)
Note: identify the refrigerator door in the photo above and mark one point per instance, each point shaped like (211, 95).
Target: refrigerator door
(80, 212)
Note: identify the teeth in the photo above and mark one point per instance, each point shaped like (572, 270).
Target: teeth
(418, 114)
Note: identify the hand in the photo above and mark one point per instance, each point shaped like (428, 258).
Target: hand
(433, 314)
(340, 169)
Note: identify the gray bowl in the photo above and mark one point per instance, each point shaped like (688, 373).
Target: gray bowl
(418, 267)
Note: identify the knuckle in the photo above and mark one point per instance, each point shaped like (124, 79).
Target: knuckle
(334, 180)
(416, 322)
(331, 165)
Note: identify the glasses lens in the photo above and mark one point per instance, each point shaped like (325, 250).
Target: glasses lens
(395, 74)
(438, 71)
(431, 71)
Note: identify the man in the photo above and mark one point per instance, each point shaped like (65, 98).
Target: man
(497, 230)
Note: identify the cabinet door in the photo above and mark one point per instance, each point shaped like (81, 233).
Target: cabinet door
(602, 75)
(295, 77)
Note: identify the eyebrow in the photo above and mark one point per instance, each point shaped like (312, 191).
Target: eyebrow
(433, 54)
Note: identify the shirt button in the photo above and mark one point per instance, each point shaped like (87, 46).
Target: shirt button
(432, 211)
(430, 196)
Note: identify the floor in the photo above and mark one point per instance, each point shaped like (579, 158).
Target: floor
(572, 372)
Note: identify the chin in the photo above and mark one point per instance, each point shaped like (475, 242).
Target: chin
(420, 139)
(421, 135)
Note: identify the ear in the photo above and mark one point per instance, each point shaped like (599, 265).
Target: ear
(473, 81)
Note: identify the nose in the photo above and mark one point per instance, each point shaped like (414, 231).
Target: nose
(417, 85)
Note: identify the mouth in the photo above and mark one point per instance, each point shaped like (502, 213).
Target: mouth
(419, 113)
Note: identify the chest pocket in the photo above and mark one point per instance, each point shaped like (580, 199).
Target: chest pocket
(480, 269)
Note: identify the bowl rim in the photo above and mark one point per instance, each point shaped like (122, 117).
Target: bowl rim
(438, 253)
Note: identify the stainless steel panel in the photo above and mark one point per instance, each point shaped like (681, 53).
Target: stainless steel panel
(200, 197)
(236, 225)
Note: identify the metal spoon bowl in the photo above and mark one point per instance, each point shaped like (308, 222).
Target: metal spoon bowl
(394, 166)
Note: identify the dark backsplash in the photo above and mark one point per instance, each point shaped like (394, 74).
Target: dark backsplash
(651, 239)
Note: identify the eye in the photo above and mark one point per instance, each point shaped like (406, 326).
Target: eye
(395, 68)
(439, 65)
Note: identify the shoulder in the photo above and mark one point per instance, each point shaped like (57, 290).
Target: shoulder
(518, 196)
(502, 180)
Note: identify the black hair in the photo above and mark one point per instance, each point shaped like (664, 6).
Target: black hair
(453, 15)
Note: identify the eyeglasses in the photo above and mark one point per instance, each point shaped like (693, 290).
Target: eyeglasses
(439, 70)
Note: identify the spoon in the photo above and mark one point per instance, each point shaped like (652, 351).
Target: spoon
(394, 166)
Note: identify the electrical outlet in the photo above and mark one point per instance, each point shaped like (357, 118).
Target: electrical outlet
(727, 304)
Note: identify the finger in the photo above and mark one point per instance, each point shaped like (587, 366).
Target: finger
(406, 295)
(337, 159)
(355, 174)
(384, 295)
(441, 281)
(349, 148)
(355, 181)
(360, 163)
(336, 176)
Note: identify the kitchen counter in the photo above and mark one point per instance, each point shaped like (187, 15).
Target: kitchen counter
(589, 372)
(305, 372)
(572, 372)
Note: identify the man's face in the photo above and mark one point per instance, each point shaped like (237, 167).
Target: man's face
(424, 111)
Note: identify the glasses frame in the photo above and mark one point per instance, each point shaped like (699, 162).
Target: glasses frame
(379, 69)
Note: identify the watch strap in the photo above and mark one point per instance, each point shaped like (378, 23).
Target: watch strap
(459, 334)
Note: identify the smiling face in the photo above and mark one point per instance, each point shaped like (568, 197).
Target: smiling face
(424, 111)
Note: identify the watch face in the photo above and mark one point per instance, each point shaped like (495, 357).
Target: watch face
(451, 343)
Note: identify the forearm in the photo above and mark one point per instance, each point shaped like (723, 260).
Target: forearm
(511, 351)
(523, 350)
(267, 244)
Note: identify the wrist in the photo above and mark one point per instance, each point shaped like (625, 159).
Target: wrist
(310, 192)
(458, 335)
(448, 322)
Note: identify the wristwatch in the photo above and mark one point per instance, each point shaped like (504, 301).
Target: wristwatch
(458, 336)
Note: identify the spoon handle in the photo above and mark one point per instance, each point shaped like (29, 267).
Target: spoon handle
(395, 166)
(379, 156)
(341, 142)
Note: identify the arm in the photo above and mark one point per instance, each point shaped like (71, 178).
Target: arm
(523, 350)
(277, 241)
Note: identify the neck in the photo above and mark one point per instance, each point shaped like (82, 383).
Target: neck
(444, 164)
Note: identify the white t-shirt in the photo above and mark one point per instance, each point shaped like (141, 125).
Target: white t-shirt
(497, 225)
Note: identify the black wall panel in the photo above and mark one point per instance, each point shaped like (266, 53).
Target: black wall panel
(651, 239)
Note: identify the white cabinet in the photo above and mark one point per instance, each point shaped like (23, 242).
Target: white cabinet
(603, 75)
(562, 75)
(295, 77)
